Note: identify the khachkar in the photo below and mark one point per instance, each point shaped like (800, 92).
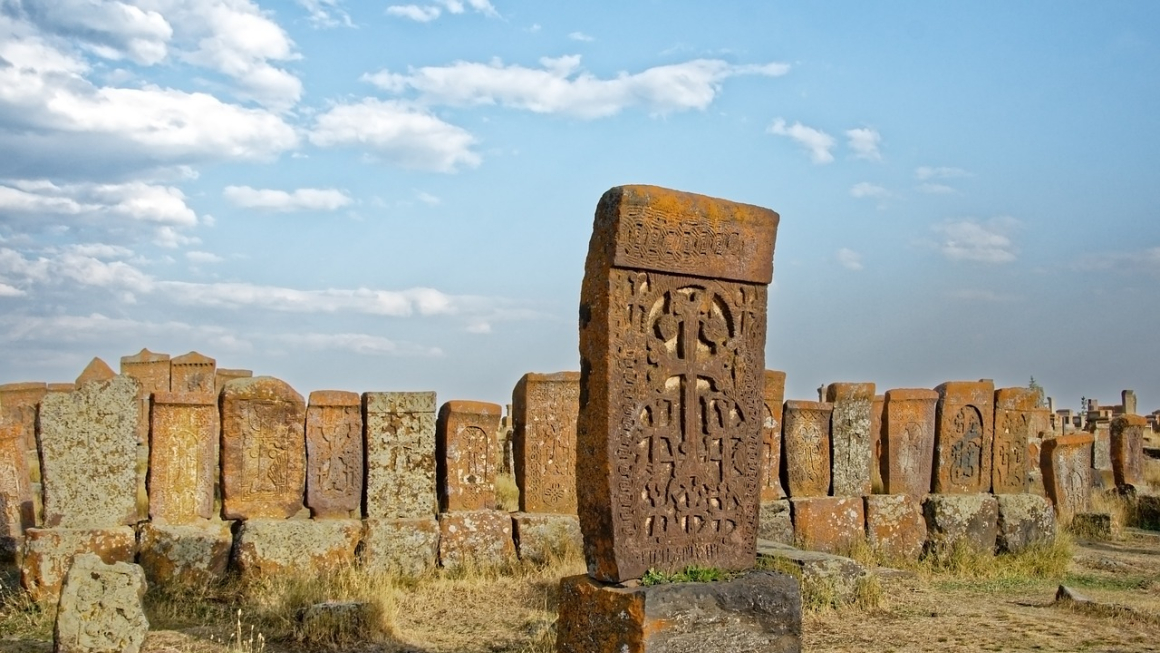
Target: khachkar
(964, 434)
(669, 439)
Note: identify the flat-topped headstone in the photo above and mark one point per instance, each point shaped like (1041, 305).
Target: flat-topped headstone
(182, 457)
(263, 449)
(908, 441)
(850, 439)
(1014, 416)
(1067, 474)
(334, 453)
(1127, 442)
(19, 403)
(223, 375)
(964, 433)
(1128, 401)
(806, 437)
(545, 408)
(672, 358)
(772, 397)
(192, 372)
(400, 454)
(464, 436)
(150, 369)
(88, 454)
(96, 371)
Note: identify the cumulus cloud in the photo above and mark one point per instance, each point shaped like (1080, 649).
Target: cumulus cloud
(415, 12)
(849, 259)
(10, 291)
(581, 36)
(864, 141)
(429, 12)
(561, 86)
(973, 240)
(112, 30)
(817, 143)
(358, 343)
(326, 13)
(203, 257)
(866, 189)
(397, 132)
(302, 199)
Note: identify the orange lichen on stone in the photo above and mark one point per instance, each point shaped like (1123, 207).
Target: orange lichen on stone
(1127, 443)
(806, 441)
(829, 524)
(908, 441)
(192, 372)
(1067, 474)
(964, 437)
(183, 455)
(263, 449)
(545, 408)
(334, 454)
(96, 371)
(464, 440)
(1014, 416)
(772, 397)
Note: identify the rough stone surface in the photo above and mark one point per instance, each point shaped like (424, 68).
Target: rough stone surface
(334, 454)
(482, 537)
(545, 408)
(775, 523)
(406, 547)
(829, 524)
(185, 555)
(18, 403)
(759, 612)
(806, 448)
(964, 433)
(908, 441)
(895, 525)
(222, 376)
(48, 552)
(973, 518)
(100, 608)
(88, 447)
(192, 372)
(835, 573)
(400, 452)
(151, 370)
(464, 440)
(97, 371)
(877, 422)
(16, 507)
(1014, 424)
(1127, 444)
(1024, 520)
(542, 537)
(182, 457)
(295, 546)
(851, 443)
(672, 358)
(263, 449)
(1096, 525)
(1067, 474)
(773, 398)
(1101, 445)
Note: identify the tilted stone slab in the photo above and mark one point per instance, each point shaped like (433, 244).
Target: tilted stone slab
(895, 526)
(1067, 474)
(88, 447)
(964, 435)
(263, 449)
(334, 454)
(1014, 423)
(185, 555)
(183, 454)
(464, 441)
(672, 349)
(1127, 444)
(192, 372)
(101, 608)
(829, 524)
(400, 454)
(1025, 520)
(908, 441)
(969, 518)
(401, 547)
(48, 553)
(772, 399)
(545, 408)
(480, 537)
(775, 523)
(851, 441)
(295, 546)
(806, 447)
(541, 537)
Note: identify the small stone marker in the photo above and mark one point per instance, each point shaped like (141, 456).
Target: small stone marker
(183, 453)
(100, 608)
(1024, 521)
(189, 556)
(88, 446)
(807, 448)
(850, 439)
(908, 441)
(1127, 440)
(1101, 445)
(192, 372)
(405, 547)
(222, 376)
(1067, 474)
(400, 454)
(544, 410)
(96, 371)
(151, 370)
(263, 449)
(964, 433)
(334, 454)
(772, 396)
(464, 436)
(1014, 417)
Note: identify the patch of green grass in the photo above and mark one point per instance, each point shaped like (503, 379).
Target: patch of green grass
(690, 574)
(1111, 583)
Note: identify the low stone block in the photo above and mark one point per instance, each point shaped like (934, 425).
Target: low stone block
(971, 518)
(540, 537)
(185, 555)
(482, 537)
(829, 524)
(838, 575)
(895, 525)
(1095, 525)
(759, 611)
(1024, 520)
(296, 546)
(100, 608)
(48, 553)
(403, 547)
(774, 522)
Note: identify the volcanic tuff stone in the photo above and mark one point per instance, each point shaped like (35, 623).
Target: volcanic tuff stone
(908, 441)
(1127, 443)
(545, 408)
(48, 552)
(1014, 415)
(1101, 446)
(18, 403)
(182, 457)
(850, 439)
(877, 421)
(334, 454)
(263, 449)
(405, 547)
(836, 574)
(16, 507)
(829, 524)
(185, 555)
(542, 537)
(672, 351)
(1024, 520)
(806, 447)
(400, 455)
(964, 433)
(192, 372)
(772, 396)
(295, 546)
(88, 446)
(100, 608)
(222, 376)
(464, 441)
(151, 370)
(895, 526)
(972, 518)
(1067, 474)
(96, 371)
(481, 536)
(775, 523)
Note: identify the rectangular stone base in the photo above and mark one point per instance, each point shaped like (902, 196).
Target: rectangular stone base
(404, 547)
(191, 555)
(482, 537)
(757, 612)
(895, 526)
(48, 554)
(971, 518)
(540, 537)
(830, 524)
(295, 546)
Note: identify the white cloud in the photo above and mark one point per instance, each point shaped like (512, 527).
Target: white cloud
(817, 142)
(581, 36)
(867, 189)
(924, 173)
(478, 327)
(427, 198)
(302, 199)
(429, 12)
(864, 141)
(936, 189)
(203, 257)
(972, 240)
(133, 208)
(561, 86)
(10, 291)
(849, 259)
(359, 343)
(326, 13)
(1145, 260)
(415, 12)
(983, 296)
(397, 132)
(112, 30)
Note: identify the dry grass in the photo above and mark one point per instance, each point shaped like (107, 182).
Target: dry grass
(1152, 473)
(507, 493)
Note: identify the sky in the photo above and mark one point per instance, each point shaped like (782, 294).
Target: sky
(371, 196)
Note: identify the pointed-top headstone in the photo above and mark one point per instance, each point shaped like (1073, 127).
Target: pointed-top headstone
(192, 372)
(150, 369)
(97, 370)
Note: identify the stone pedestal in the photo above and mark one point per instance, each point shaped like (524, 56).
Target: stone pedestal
(539, 537)
(481, 537)
(296, 546)
(403, 547)
(972, 518)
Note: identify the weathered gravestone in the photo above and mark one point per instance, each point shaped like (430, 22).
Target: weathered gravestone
(877, 422)
(192, 372)
(100, 608)
(908, 441)
(1067, 474)
(850, 438)
(334, 454)
(964, 433)
(772, 396)
(222, 376)
(263, 449)
(97, 371)
(1014, 418)
(151, 370)
(182, 457)
(806, 448)
(18, 403)
(16, 509)
(48, 552)
(669, 442)
(1127, 441)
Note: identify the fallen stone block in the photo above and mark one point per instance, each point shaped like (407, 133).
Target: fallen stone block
(404, 547)
(951, 518)
(297, 546)
(48, 554)
(100, 608)
(482, 537)
(339, 623)
(1024, 520)
(185, 555)
(895, 525)
(540, 537)
(838, 576)
(829, 524)
(774, 522)
(1094, 525)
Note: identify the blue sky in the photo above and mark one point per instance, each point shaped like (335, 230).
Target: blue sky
(373, 196)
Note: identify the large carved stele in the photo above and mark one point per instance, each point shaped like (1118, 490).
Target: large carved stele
(672, 356)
